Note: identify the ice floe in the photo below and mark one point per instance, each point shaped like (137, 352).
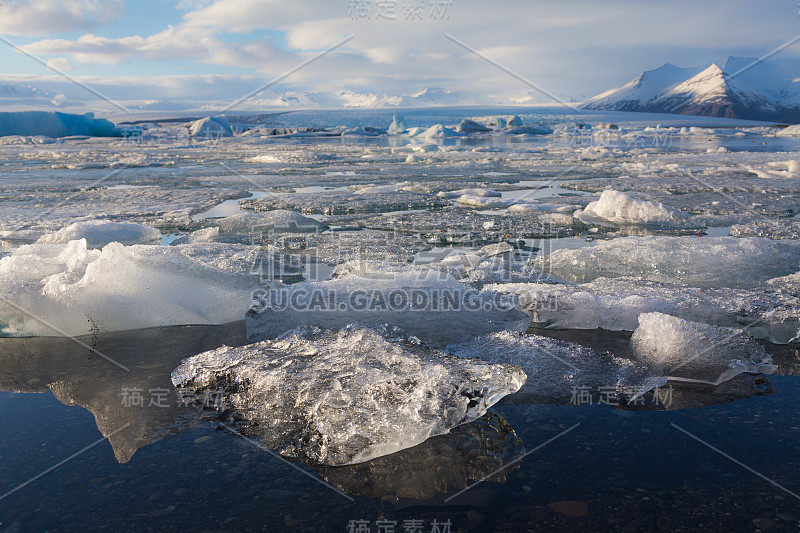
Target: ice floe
(348, 396)
(692, 351)
(698, 261)
(771, 229)
(98, 233)
(556, 368)
(615, 304)
(69, 289)
(429, 303)
(616, 208)
(279, 221)
(344, 202)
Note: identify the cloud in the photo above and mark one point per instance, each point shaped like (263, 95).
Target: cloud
(173, 43)
(60, 63)
(40, 17)
(575, 49)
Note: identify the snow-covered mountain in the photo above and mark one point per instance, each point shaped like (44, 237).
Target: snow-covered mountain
(195, 94)
(743, 88)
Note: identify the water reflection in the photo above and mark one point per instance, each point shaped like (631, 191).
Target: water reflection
(141, 399)
(440, 465)
(446, 463)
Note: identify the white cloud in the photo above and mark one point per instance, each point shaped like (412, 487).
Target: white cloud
(39, 17)
(173, 43)
(60, 63)
(577, 48)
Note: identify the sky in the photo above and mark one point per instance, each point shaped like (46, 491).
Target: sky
(161, 53)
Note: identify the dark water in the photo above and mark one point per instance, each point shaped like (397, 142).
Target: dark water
(163, 468)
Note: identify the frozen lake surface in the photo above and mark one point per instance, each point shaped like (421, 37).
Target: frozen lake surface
(592, 307)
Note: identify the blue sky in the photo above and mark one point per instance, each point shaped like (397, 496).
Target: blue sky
(214, 48)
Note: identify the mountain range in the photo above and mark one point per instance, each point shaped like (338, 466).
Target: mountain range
(743, 88)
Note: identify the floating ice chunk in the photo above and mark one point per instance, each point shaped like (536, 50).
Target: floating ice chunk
(693, 351)
(344, 202)
(211, 127)
(790, 131)
(398, 125)
(201, 235)
(533, 206)
(470, 126)
(98, 233)
(293, 156)
(54, 124)
(484, 193)
(425, 148)
(499, 122)
(769, 228)
(792, 166)
(345, 397)
(430, 304)
(403, 186)
(615, 304)
(454, 226)
(368, 131)
(616, 208)
(279, 221)
(68, 289)
(528, 130)
(789, 284)
(485, 202)
(437, 132)
(337, 247)
(556, 368)
(697, 261)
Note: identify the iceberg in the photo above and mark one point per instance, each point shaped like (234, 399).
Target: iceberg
(54, 124)
(69, 289)
(437, 131)
(398, 125)
(697, 261)
(430, 304)
(99, 233)
(470, 126)
(615, 209)
(345, 397)
(691, 351)
(789, 131)
(211, 127)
